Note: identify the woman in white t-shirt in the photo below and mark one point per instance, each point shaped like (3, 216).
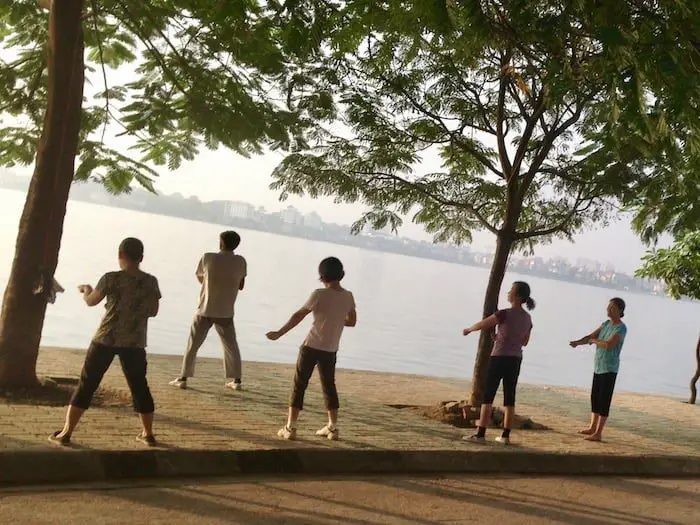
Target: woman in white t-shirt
(333, 309)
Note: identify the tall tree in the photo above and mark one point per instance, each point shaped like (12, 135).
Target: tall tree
(671, 205)
(41, 223)
(202, 74)
(542, 113)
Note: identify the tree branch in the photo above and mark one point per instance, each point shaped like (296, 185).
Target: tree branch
(422, 189)
(555, 132)
(487, 128)
(500, 116)
(562, 224)
(458, 138)
(530, 123)
(149, 45)
(98, 37)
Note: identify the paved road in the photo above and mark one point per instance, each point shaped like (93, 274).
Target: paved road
(362, 501)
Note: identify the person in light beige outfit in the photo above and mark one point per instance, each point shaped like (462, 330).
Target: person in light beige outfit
(333, 309)
(222, 276)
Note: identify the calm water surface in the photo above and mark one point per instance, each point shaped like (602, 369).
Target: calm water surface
(410, 311)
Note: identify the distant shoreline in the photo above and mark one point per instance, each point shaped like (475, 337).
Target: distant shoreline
(215, 213)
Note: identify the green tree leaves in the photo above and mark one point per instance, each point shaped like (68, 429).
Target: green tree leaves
(545, 115)
(169, 77)
(678, 267)
(498, 91)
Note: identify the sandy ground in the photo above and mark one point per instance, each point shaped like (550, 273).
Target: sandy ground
(362, 501)
(209, 417)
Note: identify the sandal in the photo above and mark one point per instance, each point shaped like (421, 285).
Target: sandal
(147, 440)
(60, 441)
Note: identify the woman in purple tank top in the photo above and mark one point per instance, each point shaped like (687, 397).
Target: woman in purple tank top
(514, 328)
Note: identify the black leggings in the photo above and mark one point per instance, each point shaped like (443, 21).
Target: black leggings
(97, 361)
(602, 393)
(308, 359)
(506, 368)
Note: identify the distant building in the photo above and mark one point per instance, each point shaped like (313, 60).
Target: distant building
(240, 210)
(290, 215)
(313, 220)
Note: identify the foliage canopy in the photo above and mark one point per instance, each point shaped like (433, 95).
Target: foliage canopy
(178, 75)
(544, 115)
(677, 266)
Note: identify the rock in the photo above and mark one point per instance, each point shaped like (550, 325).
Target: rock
(452, 406)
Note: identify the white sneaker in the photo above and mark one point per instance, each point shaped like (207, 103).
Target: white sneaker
(287, 433)
(503, 440)
(329, 433)
(234, 386)
(474, 439)
(180, 383)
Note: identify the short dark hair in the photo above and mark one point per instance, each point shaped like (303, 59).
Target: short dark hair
(620, 305)
(131, 249)
(330, 270)
(230, 240)
(522, 290)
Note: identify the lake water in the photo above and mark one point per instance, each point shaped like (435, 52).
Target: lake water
(410, 311)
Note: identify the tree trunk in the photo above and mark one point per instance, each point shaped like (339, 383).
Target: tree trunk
(504, 243)
(41, 224)
(694, 381)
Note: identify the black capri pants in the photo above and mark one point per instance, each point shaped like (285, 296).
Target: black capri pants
(97, 361)
(504, 368)
(308, 359)
(602, 393)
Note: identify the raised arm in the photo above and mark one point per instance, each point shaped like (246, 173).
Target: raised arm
(484, 324)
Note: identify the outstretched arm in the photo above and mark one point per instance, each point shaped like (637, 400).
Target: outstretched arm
(585, 340)
(296, 318)
(92, 297)
(607, 344)
(484, 324)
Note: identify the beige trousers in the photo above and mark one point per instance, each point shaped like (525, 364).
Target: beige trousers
(227, 333)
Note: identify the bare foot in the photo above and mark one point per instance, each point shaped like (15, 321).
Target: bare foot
(587, 432)
(594, 437)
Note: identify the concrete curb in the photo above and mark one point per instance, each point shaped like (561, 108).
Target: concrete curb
(46, 466)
